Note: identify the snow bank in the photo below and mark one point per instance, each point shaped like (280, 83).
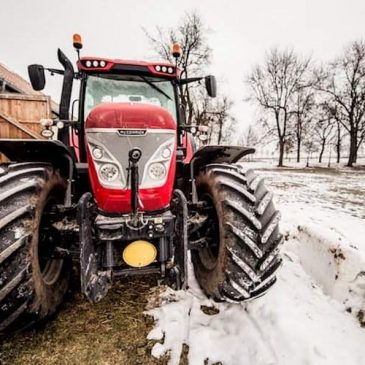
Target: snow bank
(295, 323)
(335, 263)
(323, 220)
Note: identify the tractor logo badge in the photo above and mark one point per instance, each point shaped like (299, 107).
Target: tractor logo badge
(132, 132)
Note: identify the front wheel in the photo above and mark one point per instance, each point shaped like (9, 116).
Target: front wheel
(239, 255)
(33, 280)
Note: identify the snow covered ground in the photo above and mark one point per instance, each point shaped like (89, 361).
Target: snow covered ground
(313, 313)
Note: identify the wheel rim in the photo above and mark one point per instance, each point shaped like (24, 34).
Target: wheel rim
(50, 266)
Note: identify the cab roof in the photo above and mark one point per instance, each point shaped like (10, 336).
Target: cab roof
(100, 65)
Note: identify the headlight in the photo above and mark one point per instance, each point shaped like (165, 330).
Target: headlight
(166, 152)
(98, 153)
(108, 172)
(157, 171)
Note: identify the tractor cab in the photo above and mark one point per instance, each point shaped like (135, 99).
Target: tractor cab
(121, 81)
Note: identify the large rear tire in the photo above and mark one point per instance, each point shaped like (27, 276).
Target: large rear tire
(240, 255)
(32, 281)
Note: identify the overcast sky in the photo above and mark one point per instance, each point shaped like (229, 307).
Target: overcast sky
(240, 32)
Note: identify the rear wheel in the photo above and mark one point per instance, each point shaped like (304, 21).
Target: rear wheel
(239, 255)
(32, 280)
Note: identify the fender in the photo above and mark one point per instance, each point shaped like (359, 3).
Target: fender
(214, 154)
(36, 150)
(218, 154)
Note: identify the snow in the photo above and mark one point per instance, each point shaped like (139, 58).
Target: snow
(18, 232)
(311, 315)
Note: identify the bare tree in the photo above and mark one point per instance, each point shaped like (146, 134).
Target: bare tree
(323, 130)
(249, 137)
(272, 87)
(339, 137)
(191, 35)
(303, 103)
(309, 143)
(333, 112)
(214, 113)
(344, 83)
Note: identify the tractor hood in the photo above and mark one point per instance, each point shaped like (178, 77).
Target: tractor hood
(111, 131)
(130, 115)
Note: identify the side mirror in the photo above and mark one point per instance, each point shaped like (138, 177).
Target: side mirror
(211, 86)
(36, 76)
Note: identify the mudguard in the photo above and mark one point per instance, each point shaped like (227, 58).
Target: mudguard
(218, 154)
(37, 150)
(213, 154)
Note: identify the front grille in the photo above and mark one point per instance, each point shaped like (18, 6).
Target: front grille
(119, 144)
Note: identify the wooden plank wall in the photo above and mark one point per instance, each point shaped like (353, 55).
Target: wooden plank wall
(25, 113)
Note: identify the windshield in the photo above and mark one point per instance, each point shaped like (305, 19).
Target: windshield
(113, 88)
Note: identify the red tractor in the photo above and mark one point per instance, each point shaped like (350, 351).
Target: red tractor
(122, 191)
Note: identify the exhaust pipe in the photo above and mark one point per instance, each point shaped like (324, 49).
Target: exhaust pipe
(65, 95)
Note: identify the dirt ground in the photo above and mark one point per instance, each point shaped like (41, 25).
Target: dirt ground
(113, 331)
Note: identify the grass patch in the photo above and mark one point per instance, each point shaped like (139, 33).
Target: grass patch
(111, 332)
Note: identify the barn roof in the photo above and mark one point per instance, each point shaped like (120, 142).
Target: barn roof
(17, 84)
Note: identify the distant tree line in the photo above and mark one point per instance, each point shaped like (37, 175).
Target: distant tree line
(305, 106)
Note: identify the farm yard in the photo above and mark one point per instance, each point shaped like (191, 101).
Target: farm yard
(313, 315)
(182, 184)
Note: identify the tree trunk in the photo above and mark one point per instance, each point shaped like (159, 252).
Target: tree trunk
(281, 153)
(353, 148)
(338, 144)
(322, 150)
(355, 156)
(299, 141)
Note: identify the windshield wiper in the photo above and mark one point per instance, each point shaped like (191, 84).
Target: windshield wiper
(154, 86)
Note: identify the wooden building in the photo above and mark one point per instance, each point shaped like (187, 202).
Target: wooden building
(22, 108)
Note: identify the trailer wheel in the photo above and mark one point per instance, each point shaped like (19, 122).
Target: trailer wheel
(238, 255)
(32, 280)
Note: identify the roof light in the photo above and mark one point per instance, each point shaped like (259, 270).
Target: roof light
(170, 70)
(88, 63)
(102, 63)
(77, 41)
(95, 63)
(176, 50)
(158, 68)
(164, 68)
